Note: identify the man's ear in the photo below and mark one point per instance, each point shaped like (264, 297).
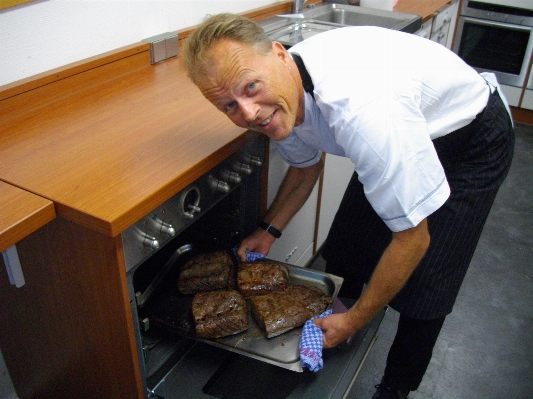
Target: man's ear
(280, 52)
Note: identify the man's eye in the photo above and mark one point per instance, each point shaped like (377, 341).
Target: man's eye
(251, 86)
(230, 106)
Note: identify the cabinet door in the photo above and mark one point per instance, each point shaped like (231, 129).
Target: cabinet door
(425, 30)
(527, 101)
(453, 13)
(444, 25)
(337, 174)
(441, 36)
(298, 235)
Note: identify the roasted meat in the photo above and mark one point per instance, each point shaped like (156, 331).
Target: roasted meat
(279, 312)
(261, 277)
(312, 297)
(219, 313)
(207, 272)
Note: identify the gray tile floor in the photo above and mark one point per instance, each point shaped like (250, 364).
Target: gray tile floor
(485, 349)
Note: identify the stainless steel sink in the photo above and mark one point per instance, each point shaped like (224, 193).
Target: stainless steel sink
(290, 29)
(289, 32)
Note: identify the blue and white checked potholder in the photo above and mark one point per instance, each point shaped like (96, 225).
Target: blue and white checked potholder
(251, 256)
(310, 346)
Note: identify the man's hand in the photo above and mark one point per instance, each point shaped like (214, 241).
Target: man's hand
(391, 273)
(292, 194)
(336, 329)
(259, 241)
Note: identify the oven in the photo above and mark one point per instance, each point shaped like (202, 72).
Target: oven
(214, 213)
(496, 36)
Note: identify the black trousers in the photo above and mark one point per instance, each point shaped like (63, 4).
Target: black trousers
(411, 352)
(476, 160)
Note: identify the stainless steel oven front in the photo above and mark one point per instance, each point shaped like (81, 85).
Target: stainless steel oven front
(496, 36)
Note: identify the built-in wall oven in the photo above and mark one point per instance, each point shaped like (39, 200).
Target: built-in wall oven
(214, 213)
(497, 36)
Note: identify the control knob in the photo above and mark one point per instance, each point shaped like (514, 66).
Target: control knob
(149, 242)
(163, 227)
(241, 167)
(250, 159)
(255, 161)
(230, 176)
(218, 185)
(166, 228)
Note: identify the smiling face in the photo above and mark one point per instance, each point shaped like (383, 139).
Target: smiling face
(261, 92)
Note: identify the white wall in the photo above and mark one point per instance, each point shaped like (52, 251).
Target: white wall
(45, 34)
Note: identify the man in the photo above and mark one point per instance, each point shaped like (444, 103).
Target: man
(431, 142)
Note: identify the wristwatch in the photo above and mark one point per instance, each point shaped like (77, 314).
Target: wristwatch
(270, 229)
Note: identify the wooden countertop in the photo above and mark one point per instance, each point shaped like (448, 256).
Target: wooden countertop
(21, 213)
(113, 149)
(110, 144)
(425, 8)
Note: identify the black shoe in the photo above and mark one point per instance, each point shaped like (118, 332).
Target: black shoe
(383, 391)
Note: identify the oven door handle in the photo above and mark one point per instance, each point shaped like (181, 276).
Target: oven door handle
(485, 22)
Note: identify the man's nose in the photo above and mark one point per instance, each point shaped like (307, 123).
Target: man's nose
(249, 110)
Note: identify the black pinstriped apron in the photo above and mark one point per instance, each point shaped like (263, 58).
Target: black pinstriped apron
(476, 159)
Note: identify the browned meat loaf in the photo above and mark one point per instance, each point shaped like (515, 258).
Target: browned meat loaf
(207, 272)
(261, 277)
(279, 312)
(219, 313)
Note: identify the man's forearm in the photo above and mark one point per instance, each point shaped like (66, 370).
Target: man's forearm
(292, 194)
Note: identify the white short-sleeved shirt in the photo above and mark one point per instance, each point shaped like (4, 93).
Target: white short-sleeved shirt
(381, 96)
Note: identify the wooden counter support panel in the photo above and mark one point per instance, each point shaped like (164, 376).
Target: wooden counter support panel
(21, 213)
(68, 332)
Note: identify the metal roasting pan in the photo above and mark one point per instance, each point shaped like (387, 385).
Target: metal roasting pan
(171, 310)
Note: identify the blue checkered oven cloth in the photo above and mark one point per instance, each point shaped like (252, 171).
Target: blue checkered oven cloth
(310, 346)
(250, 256)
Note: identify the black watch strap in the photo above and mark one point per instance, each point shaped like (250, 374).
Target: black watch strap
(270, 229)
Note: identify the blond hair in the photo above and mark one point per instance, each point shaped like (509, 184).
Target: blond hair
(225, 26)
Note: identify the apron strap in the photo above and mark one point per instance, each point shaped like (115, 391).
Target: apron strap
(306, 78)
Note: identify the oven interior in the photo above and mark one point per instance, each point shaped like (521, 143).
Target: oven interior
(222, 227)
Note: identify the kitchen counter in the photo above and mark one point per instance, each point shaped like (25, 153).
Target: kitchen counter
(424, 8)
(107, 150)
(21, 213)
(108, 153)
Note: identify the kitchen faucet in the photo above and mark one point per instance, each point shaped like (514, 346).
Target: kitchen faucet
(297, 6)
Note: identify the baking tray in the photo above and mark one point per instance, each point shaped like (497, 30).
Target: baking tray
(168, 308)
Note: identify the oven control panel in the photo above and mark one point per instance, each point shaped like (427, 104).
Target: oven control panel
(155, 229)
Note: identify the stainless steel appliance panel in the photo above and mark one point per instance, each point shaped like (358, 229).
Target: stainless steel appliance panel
(496, 38)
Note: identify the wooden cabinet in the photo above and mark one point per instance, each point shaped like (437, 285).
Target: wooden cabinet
(68, 332)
